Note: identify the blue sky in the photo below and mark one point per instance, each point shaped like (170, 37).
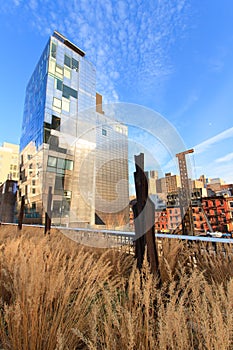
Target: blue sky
(174, 57)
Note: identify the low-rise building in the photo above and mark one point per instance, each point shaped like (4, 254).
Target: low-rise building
(8, 193)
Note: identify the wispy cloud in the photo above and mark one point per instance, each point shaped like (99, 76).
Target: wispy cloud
(204, 146)
(226, 158)
(115, 34)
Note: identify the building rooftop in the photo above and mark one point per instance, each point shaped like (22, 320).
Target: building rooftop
(68, 43)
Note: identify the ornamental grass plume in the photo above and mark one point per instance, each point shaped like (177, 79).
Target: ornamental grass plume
(56, 294)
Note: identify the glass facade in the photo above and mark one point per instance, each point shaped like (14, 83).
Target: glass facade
(61, 131)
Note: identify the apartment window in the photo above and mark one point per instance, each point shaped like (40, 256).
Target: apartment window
(59, 84)
(59, 165)
(54, 50)
(46, 135)
(33, 206)
(67, 73)
(67, 61)
(52, 161)
(67, 194)
(104, 132)
(65, 104)
(59, 71)
(67, 92)
(75, 64)
(33, 191)
(57, 104)
(56, 122)
(69, 164)
(33, 182)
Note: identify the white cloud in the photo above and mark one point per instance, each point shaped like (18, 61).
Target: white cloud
(204, 146)
(128, 41)
(226, 158)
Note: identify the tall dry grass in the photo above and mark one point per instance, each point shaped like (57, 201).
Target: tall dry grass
(58, 295)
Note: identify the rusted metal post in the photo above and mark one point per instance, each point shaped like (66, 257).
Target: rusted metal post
(21, 213)
(144, 218)
(48, 214)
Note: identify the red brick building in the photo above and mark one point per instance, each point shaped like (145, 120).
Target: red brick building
(217, 210)
(168, 219)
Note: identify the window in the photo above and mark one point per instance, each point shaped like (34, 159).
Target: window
(65, 104)
(69, 164)
(52, 66)
(67, 194)
(67, 73)
(67, 61)
(59, 71)
(33, 191)
(104, 132)
(59, 165)
(54, 50)
(57, 104)
(56, 121)
(52, 161)
(75, 64)
(67, 92)
(59, 84)
(46, 135)
(33, 206)
(33, 182)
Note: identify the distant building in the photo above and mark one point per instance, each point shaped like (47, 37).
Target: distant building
(8, 192)
(152, 178)
(219, 213)
(168, 219)
(9, 162)
(215, 184)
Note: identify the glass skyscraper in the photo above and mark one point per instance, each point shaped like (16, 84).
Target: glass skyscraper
(70, 146)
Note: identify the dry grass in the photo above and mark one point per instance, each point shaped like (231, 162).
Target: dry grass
(58, 295)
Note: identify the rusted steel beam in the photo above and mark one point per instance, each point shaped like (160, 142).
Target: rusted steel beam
(144, 217)
(21, 213)
(48, 214)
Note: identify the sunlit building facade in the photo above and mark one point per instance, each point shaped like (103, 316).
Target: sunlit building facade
(63, 141)
(9, 162)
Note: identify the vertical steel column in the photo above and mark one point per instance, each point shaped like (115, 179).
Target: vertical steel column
(48, 214)
(144, 218)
